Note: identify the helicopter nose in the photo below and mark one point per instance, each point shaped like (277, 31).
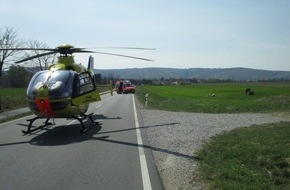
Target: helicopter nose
(43, 105)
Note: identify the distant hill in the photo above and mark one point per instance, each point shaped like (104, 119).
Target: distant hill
(238, 74)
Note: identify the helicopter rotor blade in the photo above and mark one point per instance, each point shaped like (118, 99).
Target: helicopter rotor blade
(69, 49)
(36, 56)
(137, 48)
(83, 51)
(120, 55)
(21, 49)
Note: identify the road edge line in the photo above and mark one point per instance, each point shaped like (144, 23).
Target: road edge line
(143, 162)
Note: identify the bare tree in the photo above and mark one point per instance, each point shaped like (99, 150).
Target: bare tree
(43, 61)
(8, 39)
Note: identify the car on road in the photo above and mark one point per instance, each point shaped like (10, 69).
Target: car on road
(124, 87)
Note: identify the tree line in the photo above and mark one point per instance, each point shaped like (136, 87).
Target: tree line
(11, 74)
(16, 75)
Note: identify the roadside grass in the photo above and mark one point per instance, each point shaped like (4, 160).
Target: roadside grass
(217, 98)
(11, 98)
(256, 157)
(15, 117)
(248, 158)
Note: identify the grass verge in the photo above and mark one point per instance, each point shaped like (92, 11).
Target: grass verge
(15, 117)
(248, 158)
(12, 98)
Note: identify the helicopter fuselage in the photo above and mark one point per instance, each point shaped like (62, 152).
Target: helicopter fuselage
(63, 91)
(66, 89)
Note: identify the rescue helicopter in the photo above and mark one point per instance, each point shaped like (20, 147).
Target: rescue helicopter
(66, 89)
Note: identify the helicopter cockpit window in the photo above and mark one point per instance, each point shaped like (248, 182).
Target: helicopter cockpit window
(35, 83)
(58, 83)
(84, 84)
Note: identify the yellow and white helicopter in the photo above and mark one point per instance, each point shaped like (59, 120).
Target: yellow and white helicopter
(66, 89)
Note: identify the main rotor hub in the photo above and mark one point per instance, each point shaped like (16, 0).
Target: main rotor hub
(66, 49)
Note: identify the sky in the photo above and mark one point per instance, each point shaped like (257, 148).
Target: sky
(186, 33)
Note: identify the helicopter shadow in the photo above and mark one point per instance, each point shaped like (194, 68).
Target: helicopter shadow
(106, 138)
(101, 117)
(64, 135)
(52, 135)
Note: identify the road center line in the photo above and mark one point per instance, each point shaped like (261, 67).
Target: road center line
(99, 106)
(71, 122)
(143, 162)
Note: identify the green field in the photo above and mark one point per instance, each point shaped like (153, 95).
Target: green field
(218, 98)
(11, 98)
(246, 158)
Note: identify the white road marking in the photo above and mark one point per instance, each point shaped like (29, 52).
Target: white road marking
(71, 122)
(99, 105)
(143, 162)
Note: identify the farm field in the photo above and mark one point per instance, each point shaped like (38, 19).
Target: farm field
(218, 98)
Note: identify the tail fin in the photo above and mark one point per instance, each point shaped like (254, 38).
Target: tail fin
(91, 63)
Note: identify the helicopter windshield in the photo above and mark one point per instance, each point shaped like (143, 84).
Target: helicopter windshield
(59, 84)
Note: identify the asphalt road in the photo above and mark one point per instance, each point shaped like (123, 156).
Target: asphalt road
(109, 156)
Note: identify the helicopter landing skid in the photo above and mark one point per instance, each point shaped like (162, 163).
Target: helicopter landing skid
(83, 117)
(47, 123)
(29, 130)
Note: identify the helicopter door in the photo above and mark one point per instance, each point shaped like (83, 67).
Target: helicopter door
(84, 90)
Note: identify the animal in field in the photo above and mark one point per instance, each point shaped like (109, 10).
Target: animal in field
(250, 92)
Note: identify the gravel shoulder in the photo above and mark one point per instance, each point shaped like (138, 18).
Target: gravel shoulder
(175, 136)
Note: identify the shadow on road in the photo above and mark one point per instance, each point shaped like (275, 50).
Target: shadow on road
(106, 139)
(64, 135)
